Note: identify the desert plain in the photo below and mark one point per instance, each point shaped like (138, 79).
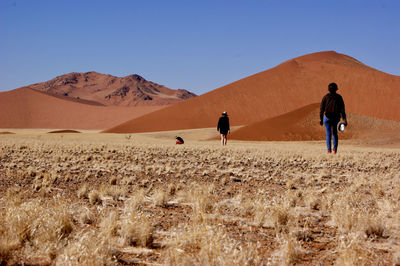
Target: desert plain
(94, 198)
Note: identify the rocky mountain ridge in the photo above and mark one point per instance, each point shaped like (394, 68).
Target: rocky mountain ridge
(102, 89)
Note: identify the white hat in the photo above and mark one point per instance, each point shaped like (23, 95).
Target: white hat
(341, 126)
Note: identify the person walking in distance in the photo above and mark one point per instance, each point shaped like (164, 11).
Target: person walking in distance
(223, 127)
(331, 110)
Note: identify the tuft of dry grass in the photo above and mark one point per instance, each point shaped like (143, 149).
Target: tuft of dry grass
(95, 197)
(110, 224)
(85, 216)
(280, 215)
(115, 192)
(352, 252)
(374, 227)
(201, 244)
(134, 203)
(42, 226)
(137, 230)
(87, 249)
(202, 199)
(160, 198)
(113, 180)
(171, 189)
(289, 251)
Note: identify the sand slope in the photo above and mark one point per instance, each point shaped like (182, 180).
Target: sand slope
(27, 108)
(287, 87)
(101, 89)
(303, 124)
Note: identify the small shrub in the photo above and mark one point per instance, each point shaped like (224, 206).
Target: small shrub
(113, 180)
(374, 229)
(94, 197)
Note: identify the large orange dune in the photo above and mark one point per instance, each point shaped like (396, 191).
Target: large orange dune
(27, 108)
(287, 87)
(303, 124)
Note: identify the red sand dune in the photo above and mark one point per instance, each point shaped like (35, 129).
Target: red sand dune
(27, 108)
(101, 89)
(301, 124)
(287, 87)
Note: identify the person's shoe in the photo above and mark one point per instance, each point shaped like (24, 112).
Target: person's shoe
(334, 151)
(329, 152)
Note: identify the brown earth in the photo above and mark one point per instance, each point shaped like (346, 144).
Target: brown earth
(101, 89)
(287, 87)
(302, 124)
(27, 108)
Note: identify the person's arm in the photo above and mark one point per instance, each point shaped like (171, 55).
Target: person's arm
(342, 110)
(322, 110)
(219, 124)
(229, 128)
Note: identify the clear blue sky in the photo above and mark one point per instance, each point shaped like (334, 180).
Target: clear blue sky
(193, 45)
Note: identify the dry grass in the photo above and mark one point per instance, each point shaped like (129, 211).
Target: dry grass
(137, 230)
(94, 197)
(98, 200)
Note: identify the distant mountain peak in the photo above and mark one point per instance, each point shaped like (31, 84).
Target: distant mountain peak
(131, 90)
(135, 77)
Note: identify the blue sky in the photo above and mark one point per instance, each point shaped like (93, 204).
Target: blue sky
(193, 45)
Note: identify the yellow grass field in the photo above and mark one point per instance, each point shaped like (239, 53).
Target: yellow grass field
(108, 199)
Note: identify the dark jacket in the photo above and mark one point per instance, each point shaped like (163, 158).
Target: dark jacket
(332, 106)
(223, 124)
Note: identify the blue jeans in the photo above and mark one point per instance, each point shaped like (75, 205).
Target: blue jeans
(331, 131)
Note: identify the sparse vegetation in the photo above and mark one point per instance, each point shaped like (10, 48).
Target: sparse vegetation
(81, 200)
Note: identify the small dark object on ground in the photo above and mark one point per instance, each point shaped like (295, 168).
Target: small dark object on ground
(64, 131)
(179, 140)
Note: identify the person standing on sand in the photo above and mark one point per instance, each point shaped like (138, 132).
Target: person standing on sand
(331, 110)
(223, 127)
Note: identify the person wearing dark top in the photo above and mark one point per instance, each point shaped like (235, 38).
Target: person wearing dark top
(223, 127)
(331, 110)
(179, 140)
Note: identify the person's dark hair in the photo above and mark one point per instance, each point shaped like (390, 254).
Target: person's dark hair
(332, 87)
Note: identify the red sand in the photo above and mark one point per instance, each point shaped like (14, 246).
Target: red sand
(287, 87)
(100, 89)
(27, 108)
(303, 124)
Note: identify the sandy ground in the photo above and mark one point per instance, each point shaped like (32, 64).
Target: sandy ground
(87, 197)
(194, 137)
